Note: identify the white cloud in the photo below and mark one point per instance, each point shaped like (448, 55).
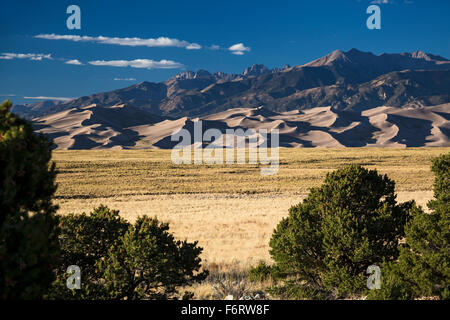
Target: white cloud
(132, 42)
(74, 62)
(124, 79)
(214, 47)
(49, 98)
(29, 56)
(139, 63)
(239, 49)
(193, 46)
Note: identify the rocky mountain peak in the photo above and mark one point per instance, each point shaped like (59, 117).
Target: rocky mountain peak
(255, 70)
(426, 56)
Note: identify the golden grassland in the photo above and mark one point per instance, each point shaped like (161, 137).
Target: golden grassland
(111, 173)
(230, 209)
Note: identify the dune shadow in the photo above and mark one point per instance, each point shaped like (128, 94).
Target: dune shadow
(412, 131)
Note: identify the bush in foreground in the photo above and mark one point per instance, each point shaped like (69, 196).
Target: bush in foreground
(263, 271)
(85, 241)
(28, 227)
(326, 244)
(119, 260)
(423, 267)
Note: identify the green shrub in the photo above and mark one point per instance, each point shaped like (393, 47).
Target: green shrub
(326, 244)
(85, 241)
(28, 227)
(27, 179)
(119, 260)
(441, 169)
(149, 264)
(262, 271)
(423, 267)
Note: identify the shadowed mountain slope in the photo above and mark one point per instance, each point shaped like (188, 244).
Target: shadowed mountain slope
(351, 80)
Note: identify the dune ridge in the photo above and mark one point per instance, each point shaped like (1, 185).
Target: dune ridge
(127, 127)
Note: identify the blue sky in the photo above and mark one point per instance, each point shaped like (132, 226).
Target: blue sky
(173, 36)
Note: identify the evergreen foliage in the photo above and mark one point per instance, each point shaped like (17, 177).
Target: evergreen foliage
(324, 246)
(28, 226)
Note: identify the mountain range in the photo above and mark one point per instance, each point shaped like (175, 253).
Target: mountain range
(351, 98)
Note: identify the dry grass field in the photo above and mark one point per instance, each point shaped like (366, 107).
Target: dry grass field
(230, 209)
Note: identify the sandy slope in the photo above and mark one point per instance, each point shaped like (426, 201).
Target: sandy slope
(123, 126)
(94, 127)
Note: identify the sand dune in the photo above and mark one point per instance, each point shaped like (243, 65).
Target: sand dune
(94, 127)
(123, 126)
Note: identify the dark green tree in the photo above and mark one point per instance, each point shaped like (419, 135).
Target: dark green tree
(28, 226)
(423, 267)
(149, 263)
(85, 240)
(119, 260)
(326, 244)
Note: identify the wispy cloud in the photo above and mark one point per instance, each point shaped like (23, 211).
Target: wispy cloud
(391, 1)
(381, 1)
(214, 47)
(28, 56)
(239, 49)
(74, 62)
(124, 79)
(132, 42)
(139, 63)
(49, 98)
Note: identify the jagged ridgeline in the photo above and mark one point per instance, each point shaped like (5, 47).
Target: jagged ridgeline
(348, 98)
